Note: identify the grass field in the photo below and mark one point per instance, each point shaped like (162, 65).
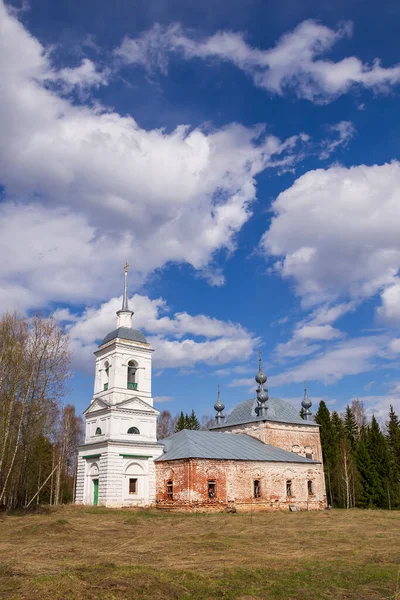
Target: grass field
(84, 553)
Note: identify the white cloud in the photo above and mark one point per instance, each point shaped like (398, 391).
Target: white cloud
(389, 311)
(335, 232)
(180, 340)
(344, 131)
(144, 195)
(348, 357)
(85, 76)
(394, 346)
(294, 64)
(318, 332)
(162, 399)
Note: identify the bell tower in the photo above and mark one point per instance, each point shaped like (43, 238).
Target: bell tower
(123, 360)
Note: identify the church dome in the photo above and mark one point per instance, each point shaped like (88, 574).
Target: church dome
(125, 333)
(276, 410)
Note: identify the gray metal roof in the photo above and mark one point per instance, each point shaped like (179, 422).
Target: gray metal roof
(224, 446)
(277, 410)
(125, 333)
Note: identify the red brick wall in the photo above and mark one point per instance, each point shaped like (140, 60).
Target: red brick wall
(298, 438)
(235, 484)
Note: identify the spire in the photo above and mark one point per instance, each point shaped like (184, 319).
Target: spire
(125, 315)
(262, 394)
(306, 404)
(125, 307)
(219, 407)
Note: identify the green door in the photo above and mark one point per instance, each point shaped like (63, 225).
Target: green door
(95, 491)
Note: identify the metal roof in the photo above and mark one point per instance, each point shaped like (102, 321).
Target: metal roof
(125, 333)
(278, 410)
(224, 446)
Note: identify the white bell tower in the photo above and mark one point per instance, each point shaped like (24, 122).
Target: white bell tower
(123, 360)
(116, 462)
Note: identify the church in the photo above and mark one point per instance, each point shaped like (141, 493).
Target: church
(262, 456)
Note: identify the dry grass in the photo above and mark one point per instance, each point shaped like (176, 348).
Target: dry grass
(83, 553)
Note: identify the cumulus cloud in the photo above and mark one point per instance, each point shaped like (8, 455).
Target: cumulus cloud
(89, 188)
(180, 340)
(334, 232)
(296, 63)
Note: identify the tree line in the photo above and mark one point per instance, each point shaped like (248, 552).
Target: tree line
(361, 461)
(167, 424)
(38, 436)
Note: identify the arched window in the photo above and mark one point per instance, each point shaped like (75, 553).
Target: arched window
(98, 431)
(133, 430)
(106, 375)
(131, 381)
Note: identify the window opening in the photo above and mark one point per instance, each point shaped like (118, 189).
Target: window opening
(98, 431)
(133, 430)
(212, 488)
(308, 455)
(133, 486)
(107, 371)
(310, 487)
(132, 368)
(257, 488)
(289, 488)
(170, 490)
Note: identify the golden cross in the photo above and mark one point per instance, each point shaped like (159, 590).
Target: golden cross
(126, 267)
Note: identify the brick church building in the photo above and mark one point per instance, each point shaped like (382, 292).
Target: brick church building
(262, 455)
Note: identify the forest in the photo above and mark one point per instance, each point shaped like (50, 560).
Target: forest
(38, 434)
(361, 459)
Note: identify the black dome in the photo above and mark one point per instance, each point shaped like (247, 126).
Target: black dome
(125, 333)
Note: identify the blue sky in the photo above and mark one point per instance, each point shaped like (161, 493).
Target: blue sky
(243, 160)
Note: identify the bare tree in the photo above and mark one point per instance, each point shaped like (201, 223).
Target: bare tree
(165, 424)
(358, 410)
(33, 373)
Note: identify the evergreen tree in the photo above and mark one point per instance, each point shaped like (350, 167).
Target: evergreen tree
(379, 453)
(338, 424)
(393, 431)
(302, 412)
(393, 438)
(369, 479)
(192, 421)
(350, 427)
(181, 423)
(329, 443)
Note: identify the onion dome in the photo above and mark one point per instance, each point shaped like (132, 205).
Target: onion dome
(219, 407)
(262, 394)
(306, 404)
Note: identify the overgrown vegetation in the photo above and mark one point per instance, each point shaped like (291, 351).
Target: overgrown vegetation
(361, 462)
(65, 553)
(38, 439)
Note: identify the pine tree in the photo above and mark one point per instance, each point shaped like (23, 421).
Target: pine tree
(302, 412)
(192, 421)
(393, 439)
(338, 424)
(181, 423)
(393, 431)
(369, 479)
(350, 427)
(329, 443)
(379, 453)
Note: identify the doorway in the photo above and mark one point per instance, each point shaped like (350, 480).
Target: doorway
(95, 492)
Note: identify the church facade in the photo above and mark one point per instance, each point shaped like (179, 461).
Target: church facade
(263, 455)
